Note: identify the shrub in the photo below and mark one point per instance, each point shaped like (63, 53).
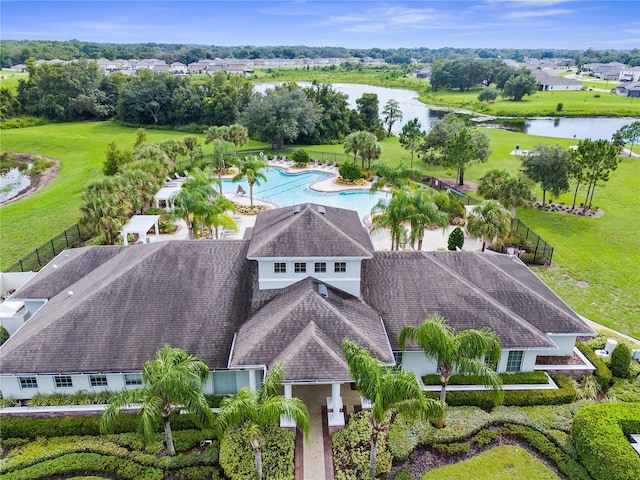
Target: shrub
(22, 122)
(350, 171)
(456, 239)
(485, 437)
(625, 391)
(546, 447)
(300, 157)
(4, 335)
(165, 223)
(599, 434)
(237, 457)
(404, 474)
(530, 258)
(488, 94)
(559, 107)
(517, 378)
(603, 374)
(621, 361)
(40, 166)
(351, 447)
(451, 448)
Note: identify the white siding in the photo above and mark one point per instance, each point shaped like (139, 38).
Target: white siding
(565, 345)
(419, 363)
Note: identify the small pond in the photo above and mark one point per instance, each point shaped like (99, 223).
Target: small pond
(12, 183)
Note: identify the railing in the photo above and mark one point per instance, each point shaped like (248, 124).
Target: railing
(42, 255)
(536, 252)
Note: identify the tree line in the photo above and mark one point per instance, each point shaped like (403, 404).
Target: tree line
(14, 52)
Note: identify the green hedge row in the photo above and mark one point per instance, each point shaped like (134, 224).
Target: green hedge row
(566, 393)
(599, 433)
(517, 378)
(86, 463)
(33, 427)
(92, 398)
(603, 374)
(546, 447)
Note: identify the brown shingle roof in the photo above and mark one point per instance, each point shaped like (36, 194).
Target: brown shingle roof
(192, 295)
(470, 290)
(299, 313)
(304, 231)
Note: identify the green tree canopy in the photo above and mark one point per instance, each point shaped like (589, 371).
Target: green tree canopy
(548, 165)
(520, 84)
(411, 136)
(629, 133)
(488, 221)
(391, 114)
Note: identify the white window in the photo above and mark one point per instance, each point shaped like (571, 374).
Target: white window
(320, 267)
(300, 267)
(98, 380)
(279, 267)
(132, 379)
(28, 382)
(514, 362)
(340, 267)
(63, 381)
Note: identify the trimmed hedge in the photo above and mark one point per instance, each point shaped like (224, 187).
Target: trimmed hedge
(518, 378)
(599, 433)
(603, 374)
(86, 463)
(566, 393)
(33, 427)
(546, 447)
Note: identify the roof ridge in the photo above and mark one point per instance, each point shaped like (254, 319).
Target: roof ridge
(517, 318)
(264, 240)
(539, 296)
(335, 227)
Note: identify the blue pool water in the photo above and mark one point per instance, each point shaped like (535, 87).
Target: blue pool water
(285, 189)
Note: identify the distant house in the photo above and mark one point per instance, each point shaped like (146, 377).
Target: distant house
(547, 82)
(628, 89)
(629, 74)
(178, 68)
(424, 73)
(604, 71)
(302, 280)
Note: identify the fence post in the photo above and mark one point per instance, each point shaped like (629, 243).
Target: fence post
(53, 247)
(21, 267)
(66, 239)
(38, 257)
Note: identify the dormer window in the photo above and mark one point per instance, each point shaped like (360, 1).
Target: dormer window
(320, 267)
(300, 267)
(340, 267)
(279, 267)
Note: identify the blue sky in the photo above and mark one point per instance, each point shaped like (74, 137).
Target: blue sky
(600, 24)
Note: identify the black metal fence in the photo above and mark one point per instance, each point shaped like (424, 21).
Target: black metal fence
(535, 252)
(42, 255)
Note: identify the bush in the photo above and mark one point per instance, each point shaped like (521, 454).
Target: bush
(625, 391)
(350, 171)
(237, 457)
(546, 447)
(4, 335)
(603, 375)
(351, 448)
(599, 433)
(559, 107)
(621, 361)
(77, 398)
(485, 437)
(404, 474)
(40, 166)
(456, 239)
(451, 448)
(165, 223)
(22, 122)
(300, 158)
(488, 94)
(566, 393)
(517, 378)
(530, 258)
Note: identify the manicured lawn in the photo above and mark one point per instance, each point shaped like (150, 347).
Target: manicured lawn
(81, 148)
(9, 79)
(499, 463)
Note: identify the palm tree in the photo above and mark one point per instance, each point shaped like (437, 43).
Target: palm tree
(393, 177)
(217, 215)
(238, 135)
(104, 209)
(425, 213)
(512, 192)
(465, 352)
(370, 149)
(250, 169)
(388, 390)
(221, 157)
(256, 411)
(171, 382)
(193, 203)
(488, 221)
(191, 146)
(173, 148)
(354, 143)
(138, 187)
(392, 214)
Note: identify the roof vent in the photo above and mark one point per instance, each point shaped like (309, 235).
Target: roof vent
(322, 290)
(296, 209)
(321, 210)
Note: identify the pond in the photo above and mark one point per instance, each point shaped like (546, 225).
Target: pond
(286, 189)
(12, 183)
(578, 127)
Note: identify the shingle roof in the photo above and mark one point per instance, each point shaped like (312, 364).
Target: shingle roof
(304, 330)
(186, 293)
(309, 230)
(470, 290)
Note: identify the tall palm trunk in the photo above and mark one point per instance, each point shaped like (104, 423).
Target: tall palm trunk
(575, 195)
(256, 444)
(372, 458)
(168, 437)
(251, 193)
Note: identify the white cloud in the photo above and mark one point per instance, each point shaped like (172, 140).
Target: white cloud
(537, 13)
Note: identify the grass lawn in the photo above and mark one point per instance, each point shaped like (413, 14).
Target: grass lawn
(81, 148)
(9, 79)
(499, 463)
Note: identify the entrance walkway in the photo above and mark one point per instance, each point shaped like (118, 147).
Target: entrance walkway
(317, 461)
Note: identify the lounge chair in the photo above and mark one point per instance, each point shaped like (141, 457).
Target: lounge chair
(275, 159)
(177, 175)
(325, 164)
(334, 165)
(315, 163)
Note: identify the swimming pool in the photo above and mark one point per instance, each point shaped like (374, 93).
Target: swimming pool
(286, 189)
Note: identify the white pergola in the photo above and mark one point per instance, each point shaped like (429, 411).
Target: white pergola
(140, 224)
(166, 195)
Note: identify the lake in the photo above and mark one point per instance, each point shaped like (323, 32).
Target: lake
(579, 127)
